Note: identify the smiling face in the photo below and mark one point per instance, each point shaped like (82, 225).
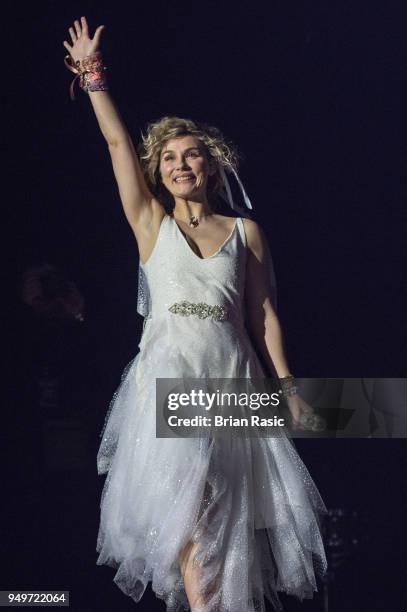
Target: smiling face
(184, 168)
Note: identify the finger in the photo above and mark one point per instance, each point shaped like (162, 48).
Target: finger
(78, 28)
(98, 33)
(73, 35)
(84, 23)
(67, 46)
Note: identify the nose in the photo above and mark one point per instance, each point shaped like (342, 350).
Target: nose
(182, 163)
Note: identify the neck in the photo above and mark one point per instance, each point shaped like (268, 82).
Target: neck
(185, 209)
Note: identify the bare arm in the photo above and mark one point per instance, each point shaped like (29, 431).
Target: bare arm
(264, 325)
(142, 211)
(134, 193)
(262, 320)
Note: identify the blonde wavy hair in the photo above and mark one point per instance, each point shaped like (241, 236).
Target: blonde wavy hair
(217, 149)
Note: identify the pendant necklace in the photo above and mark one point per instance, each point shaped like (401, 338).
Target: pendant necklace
(193, 221)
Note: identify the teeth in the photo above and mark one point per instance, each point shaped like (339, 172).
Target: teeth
(184, 178)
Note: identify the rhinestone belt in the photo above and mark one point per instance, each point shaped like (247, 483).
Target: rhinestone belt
(202, 310)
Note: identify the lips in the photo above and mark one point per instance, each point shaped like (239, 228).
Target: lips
(184, 178)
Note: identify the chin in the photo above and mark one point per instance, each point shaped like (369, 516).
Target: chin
(184, 192)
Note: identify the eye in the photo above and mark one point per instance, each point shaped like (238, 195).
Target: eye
(193, 153)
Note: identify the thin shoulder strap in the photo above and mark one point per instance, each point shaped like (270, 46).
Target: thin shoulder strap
(240, 227)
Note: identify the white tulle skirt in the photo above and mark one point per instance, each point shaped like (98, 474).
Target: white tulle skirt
(249, 505)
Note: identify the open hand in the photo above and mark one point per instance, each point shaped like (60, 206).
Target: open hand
(82, 45)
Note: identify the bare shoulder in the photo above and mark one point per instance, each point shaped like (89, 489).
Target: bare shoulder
(254, 236)
(224, 221)
(252, 228)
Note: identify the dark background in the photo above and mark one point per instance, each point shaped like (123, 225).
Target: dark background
(314, 96)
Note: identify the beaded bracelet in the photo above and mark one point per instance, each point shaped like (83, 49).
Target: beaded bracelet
(90, 71)
(288, 385)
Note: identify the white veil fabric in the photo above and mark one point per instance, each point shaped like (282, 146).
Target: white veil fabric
(143, 293)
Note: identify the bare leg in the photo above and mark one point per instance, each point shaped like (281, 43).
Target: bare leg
(191, 574)
(191, 571)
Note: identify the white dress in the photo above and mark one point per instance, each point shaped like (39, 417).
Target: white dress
(251, 505)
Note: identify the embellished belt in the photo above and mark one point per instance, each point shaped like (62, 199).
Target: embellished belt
(202, 310)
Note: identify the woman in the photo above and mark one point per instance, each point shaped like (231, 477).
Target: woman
(213, 526)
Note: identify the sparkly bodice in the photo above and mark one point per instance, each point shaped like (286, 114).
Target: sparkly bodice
(176, 274)
(196, 318)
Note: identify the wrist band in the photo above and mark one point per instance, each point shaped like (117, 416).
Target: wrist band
(90, 71)
(288, 386)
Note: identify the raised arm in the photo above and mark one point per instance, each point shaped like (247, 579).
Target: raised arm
(142, 210)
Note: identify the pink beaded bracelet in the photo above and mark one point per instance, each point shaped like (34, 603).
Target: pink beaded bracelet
(90, 71)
